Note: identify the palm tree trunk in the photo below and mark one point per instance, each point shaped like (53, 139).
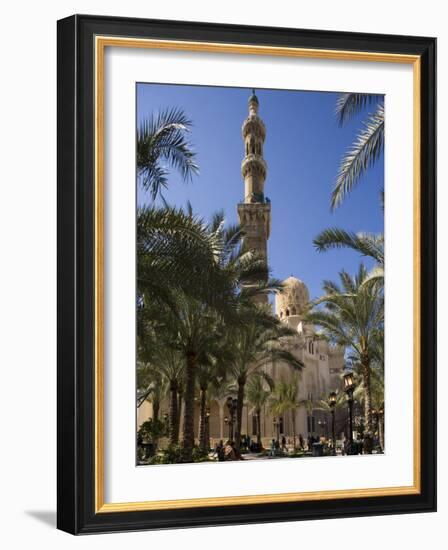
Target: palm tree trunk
(381, 432)
(174, 430)
(367, 394)
(239, 415)
(155, 410)
(179, 412)
(202, 420)
(155, 418)
(258, 426)
(294, 427)
(190, 380)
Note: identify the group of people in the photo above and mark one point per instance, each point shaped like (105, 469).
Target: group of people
(362, 445)
(225, 451)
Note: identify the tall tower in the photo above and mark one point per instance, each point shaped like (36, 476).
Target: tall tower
(255, 212)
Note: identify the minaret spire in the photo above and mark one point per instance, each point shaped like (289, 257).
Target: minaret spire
(255, 211)
(254, 167)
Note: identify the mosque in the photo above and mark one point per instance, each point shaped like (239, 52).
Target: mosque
(323, 362)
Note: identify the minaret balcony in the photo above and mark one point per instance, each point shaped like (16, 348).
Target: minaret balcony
(254, 164)
(254, 125)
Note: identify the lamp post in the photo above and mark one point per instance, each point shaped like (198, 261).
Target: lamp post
(226, 420)
(207, 427)
(332, 400)
(277, 427)
(349, 386)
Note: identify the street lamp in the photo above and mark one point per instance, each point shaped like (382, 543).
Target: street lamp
(207, 427)
(349, 382)
(332, 400)
(277, 427)
(349, 386)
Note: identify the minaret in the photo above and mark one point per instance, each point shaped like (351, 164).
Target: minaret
(255, 212)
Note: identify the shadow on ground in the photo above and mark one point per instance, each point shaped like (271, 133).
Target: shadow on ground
(44, 516)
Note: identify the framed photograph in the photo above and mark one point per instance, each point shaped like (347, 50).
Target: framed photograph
(246, 274)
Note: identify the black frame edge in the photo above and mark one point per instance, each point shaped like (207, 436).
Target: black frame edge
(67, 94)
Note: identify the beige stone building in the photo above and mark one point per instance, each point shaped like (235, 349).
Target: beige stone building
(323, 362)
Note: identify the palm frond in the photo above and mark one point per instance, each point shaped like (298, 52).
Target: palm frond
(349, 104)
(375, 276)
(364, 152)
(367, 244)
(161, 143)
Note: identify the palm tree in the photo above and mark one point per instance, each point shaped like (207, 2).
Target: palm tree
(352, 316)
(284, 399)
(208, 376)
(155, 350)
(367, 146)
(208, 295)
(192, 327)
(376, 381)
(258, 392)
(254, 346)
(366, 244)
(174, 248)
(308, 403)
(161, 142)
(151, 386)
(172, 365)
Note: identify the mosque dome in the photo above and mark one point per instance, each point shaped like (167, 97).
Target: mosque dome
(293, 299)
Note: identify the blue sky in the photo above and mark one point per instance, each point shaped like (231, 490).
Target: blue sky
(303, 149)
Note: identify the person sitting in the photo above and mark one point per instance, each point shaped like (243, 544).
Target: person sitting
(229, 451)
(219, 451)
(284, 449)
(368, 443)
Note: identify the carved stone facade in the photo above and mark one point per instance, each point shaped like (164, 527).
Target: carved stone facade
(323, 363)
(255, 212)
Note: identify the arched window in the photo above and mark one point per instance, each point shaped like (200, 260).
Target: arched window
(287, 313)
(294, 312)
(281, 314)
